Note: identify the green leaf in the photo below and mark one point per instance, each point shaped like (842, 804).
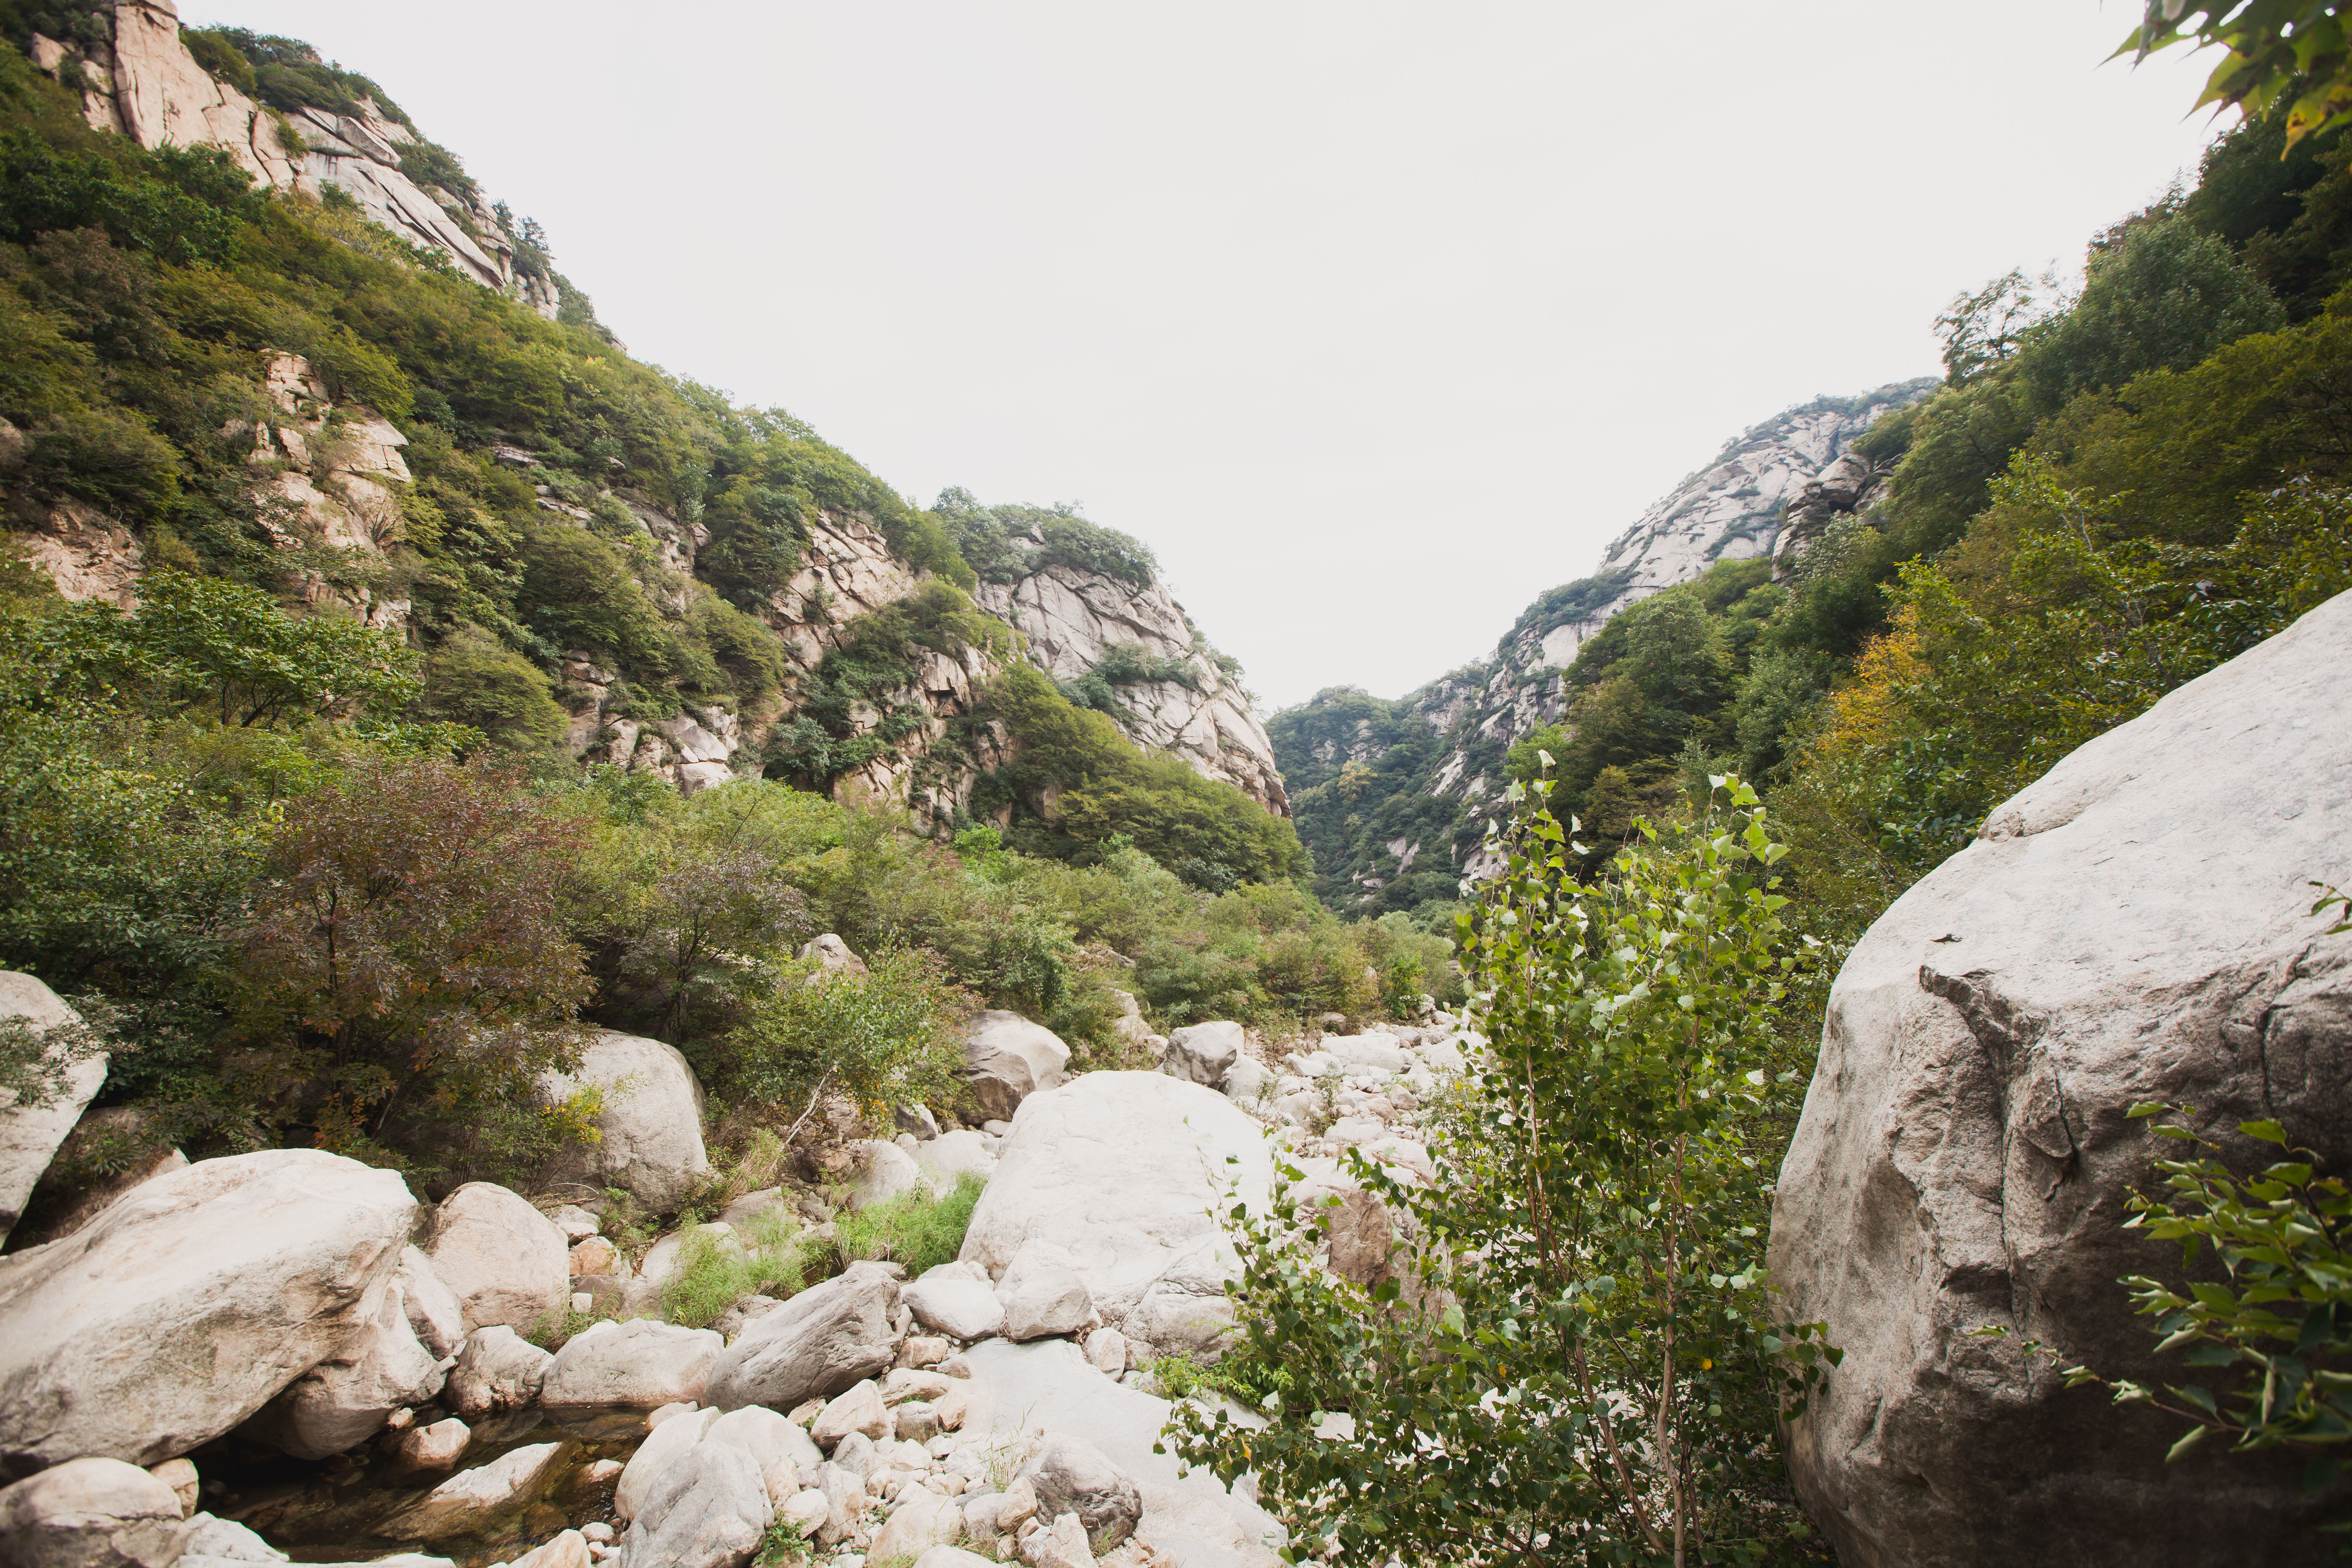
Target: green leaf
(2268, 1131)
(2188, 1441)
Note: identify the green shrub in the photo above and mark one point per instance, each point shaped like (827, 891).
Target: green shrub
(474, 680)
(212, 48)
(105, 456)
(883, 1038)
(578, 592)
(406, 958)
(180, 203)
(914, 1228)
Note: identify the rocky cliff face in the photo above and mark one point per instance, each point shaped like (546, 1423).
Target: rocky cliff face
(1733, 509)
(327, 479)
(1417, 778)
(144, 84)
(1164, 686)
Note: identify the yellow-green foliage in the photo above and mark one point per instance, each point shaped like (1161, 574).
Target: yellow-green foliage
(767, 1255)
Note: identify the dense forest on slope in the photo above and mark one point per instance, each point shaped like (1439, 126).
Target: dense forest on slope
(309, 833)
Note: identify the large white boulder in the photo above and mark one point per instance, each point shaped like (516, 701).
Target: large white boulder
(1049, 1385)
(497, 1371)
(663, 1447)
(922, 1521)
(1071, 1475)
(2135, 925)
(817, 1345)
(1008, 1058)
(435, 1313)
(505, 1261)
(470, 1500)
(1044, 1296)
(952, 1156)
(707, 1510)
(649, 1134)
(90, 1513)
(344, 1400)
(1204, 1053)
(1121, 1171)
(955, 1300)
(183, 1309)
(879, 1171)
(29, 1134)
(633, 1366)
(1378, 1049)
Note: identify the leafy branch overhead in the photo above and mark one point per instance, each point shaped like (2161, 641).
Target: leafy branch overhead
(2281, 54)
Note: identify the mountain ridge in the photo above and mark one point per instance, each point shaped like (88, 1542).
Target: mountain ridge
(1427, 767)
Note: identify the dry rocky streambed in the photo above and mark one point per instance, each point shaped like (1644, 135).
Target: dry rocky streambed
(285, 1355)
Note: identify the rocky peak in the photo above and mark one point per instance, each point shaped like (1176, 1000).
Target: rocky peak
(1767, 492)
(144, 84)
(1733, 509)
(1127, 648)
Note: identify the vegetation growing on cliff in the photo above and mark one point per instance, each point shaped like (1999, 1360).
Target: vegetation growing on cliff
(192, 794)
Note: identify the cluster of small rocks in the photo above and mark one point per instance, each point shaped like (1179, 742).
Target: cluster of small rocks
(297, 1301)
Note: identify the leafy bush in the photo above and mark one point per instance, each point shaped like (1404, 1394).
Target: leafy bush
(474, 681)
(104, 456)
(1581, 1364)
(1108, 790)
(183, 206)
(290, 75)
(2280, 1319)
(883, 1038)
(406, 948)
(914, 1228)
(1006, 543)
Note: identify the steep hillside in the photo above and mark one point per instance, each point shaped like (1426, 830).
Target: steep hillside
(291, 122)
(1393, 796)
(277, 337)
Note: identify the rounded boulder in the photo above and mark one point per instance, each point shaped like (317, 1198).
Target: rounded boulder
(506, 1262)
(650, 1129)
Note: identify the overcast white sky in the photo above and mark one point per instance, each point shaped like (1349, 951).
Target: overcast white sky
(1373, 320)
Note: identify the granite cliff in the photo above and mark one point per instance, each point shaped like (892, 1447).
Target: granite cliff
(1393, 797)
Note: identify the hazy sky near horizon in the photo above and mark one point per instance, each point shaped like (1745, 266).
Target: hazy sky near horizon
(1372, 320)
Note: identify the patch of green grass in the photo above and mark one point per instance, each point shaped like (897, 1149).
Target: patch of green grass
(711, 1275)
(785, 1545)
(913, 1229)
(551, 1331)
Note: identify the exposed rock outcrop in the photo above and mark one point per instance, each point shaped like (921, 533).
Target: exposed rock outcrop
(824, 1341)
(1797, 463)
(506, 1262)
(2134, 926)
(1189, 705)
(86, 554)
(142, 82)
(90, 1513)
(1007, 1058)
(1113, 1177)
